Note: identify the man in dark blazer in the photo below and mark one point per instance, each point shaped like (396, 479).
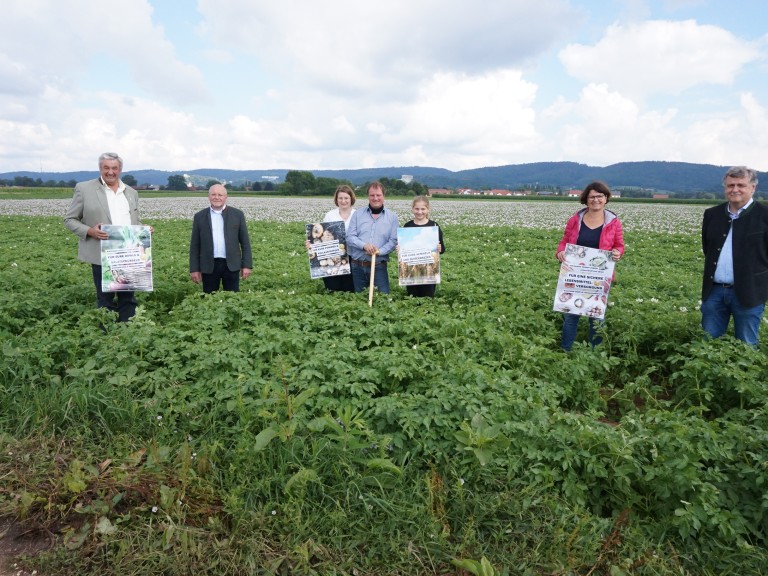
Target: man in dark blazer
(734, 238)
(105, 200)
(220, 249)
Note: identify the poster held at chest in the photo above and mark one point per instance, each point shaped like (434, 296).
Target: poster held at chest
(328, 249)
(584, 282)
(418, 256)
(126, 259)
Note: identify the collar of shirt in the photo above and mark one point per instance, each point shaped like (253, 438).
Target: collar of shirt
(120, 186)
(214, 211)
(740, 210)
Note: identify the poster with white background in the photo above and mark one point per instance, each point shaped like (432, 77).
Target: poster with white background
(418, 257)
(584, 281)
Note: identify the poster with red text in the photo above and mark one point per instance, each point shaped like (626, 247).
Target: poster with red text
(584, 282)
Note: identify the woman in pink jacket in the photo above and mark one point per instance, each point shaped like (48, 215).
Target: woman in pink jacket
(593, 227)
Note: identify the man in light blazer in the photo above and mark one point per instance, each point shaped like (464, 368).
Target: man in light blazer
(220, 249)
(105, 200)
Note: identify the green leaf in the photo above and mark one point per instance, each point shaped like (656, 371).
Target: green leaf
(300, 479)
(384, 465)
(263, 438)
(471, 566)
(317, 424)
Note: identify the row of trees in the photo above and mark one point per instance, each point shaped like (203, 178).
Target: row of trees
(29, 182)
(178, 182)
(302, 183)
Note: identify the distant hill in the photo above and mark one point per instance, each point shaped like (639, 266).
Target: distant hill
(679, 177)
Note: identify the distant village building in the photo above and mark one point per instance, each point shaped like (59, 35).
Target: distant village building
(433, 191)
(407, 178)
(573, 193)
(660, 196)
(499, 192)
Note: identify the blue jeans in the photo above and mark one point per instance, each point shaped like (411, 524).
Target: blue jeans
(720, 305)
(571, 326)
(361, 277)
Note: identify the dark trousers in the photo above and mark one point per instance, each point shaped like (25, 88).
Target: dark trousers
(421, 290)
(342, 283)
(126, 301)
(221, 276)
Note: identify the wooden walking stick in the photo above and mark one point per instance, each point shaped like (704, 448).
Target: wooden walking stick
(370, 287)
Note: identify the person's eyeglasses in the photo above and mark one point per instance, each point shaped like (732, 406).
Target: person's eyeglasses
(593, 198)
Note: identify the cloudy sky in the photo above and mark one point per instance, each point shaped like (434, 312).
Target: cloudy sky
(304, 84)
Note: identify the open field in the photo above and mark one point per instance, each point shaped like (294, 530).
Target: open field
(636, 217)
(283, 430)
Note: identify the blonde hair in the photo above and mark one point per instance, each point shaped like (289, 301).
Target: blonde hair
(423, 199)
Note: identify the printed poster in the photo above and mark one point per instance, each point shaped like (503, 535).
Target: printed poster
(418, 256)
(126, 259)
(584, 282)
(328, 249)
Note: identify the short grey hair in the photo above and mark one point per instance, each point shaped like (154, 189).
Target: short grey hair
(741, 172)
(110, 156)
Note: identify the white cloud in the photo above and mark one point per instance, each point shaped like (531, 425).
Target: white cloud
(47, 42)
(341, 124)
(660, 57)
(732, 138)
(469, 121)
(352, 48)
(604, 127)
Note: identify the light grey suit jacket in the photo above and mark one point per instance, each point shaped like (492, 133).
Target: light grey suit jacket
(89, 206)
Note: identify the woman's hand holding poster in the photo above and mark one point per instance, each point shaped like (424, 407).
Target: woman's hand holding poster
(584, 282)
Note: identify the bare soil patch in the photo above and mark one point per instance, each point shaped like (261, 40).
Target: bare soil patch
(15, 542)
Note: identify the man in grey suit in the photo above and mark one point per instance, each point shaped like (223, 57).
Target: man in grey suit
(220, 249)
(105, 200)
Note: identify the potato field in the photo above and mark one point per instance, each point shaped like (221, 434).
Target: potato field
(287, 430)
